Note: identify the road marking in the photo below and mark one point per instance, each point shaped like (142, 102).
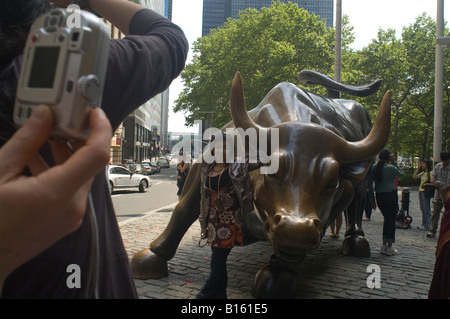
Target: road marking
(129, 220)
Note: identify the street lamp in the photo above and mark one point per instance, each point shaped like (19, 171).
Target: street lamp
(441, 41)
(338, 43)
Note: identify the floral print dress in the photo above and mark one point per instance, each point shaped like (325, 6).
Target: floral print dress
(224, 227)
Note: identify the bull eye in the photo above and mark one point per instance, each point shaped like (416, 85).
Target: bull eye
(333, 183)
(273, 178)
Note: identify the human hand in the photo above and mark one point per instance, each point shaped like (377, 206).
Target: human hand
(37, 211)
(118, 12)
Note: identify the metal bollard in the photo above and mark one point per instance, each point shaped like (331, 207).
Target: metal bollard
(405, 200)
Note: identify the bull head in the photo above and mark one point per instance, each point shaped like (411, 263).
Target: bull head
(296, 201)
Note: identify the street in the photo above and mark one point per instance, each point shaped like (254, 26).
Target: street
(129, 204)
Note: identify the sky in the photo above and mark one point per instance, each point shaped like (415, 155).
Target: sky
(366, 16)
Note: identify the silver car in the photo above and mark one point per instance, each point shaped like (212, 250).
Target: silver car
(163, 162)
(121, 178)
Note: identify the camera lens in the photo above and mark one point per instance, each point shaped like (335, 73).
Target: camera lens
(53, 21)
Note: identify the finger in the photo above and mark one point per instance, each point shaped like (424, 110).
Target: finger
(27, 141)
(88, 160)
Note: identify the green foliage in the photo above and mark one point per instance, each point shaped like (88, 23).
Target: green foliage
(272, 45)
(407, 68)
(266, 47)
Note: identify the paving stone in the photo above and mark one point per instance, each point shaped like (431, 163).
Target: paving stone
(325, 272)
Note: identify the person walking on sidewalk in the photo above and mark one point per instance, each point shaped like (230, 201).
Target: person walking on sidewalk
(182, 172)
(384, 173)
(424, 172)
(441, 179)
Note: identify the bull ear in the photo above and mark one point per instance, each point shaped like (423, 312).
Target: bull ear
(353, 152)
(356, 172)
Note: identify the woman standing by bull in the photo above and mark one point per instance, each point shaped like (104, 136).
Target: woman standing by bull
(425, 177)
(226, 195)
(384, 174)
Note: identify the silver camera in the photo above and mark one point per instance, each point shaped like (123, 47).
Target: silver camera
(64, 67)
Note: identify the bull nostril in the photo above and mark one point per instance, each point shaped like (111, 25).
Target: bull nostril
(276, 219)
(317, 222)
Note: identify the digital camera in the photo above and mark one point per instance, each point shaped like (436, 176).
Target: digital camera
(64, 67)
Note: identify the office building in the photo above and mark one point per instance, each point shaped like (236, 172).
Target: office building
(216, 12)
(144, 133)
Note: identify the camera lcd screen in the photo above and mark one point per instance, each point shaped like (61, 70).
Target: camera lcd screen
(43, 68)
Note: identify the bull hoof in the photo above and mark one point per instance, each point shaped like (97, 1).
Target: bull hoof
(274, 283)
(147, 265)
(356, 246)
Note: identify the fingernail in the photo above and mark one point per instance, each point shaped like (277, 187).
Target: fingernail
(39, 113)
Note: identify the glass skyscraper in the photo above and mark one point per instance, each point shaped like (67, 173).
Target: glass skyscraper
(216, 12)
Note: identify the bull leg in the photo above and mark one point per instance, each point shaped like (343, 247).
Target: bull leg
(273, 282)
(355, 244)
(277, 280)
(152, 263)
(346, 196)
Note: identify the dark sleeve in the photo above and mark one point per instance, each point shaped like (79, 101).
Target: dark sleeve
(142, 64)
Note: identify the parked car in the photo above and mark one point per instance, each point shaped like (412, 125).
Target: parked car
(163, 162)
(150, 168)
(155, 167)
(147, 169)
(135, 168)
(121, 178)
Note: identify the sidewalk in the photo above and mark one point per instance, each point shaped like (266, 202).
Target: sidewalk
(325, 272)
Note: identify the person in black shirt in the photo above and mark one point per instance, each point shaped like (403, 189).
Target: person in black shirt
(141, 65)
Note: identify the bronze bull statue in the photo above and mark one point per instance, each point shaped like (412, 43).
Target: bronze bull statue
(326, 147)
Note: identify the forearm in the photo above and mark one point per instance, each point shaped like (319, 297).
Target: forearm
(118, 12)
(399, 171)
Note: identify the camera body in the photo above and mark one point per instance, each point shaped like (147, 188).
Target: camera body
(64, 67)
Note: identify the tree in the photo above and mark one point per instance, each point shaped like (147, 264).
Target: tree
(272, 45)
(384, 58)
(416, 131)
(406, 67)
(267, 47)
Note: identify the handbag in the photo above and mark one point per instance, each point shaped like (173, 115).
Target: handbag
(403, 220)
(429, 190)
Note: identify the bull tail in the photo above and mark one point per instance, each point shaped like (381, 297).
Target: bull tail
(334, 88)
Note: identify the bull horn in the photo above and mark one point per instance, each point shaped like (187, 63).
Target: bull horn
(238, 108)
(237, 105)
(374, 143)
(239, 112)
